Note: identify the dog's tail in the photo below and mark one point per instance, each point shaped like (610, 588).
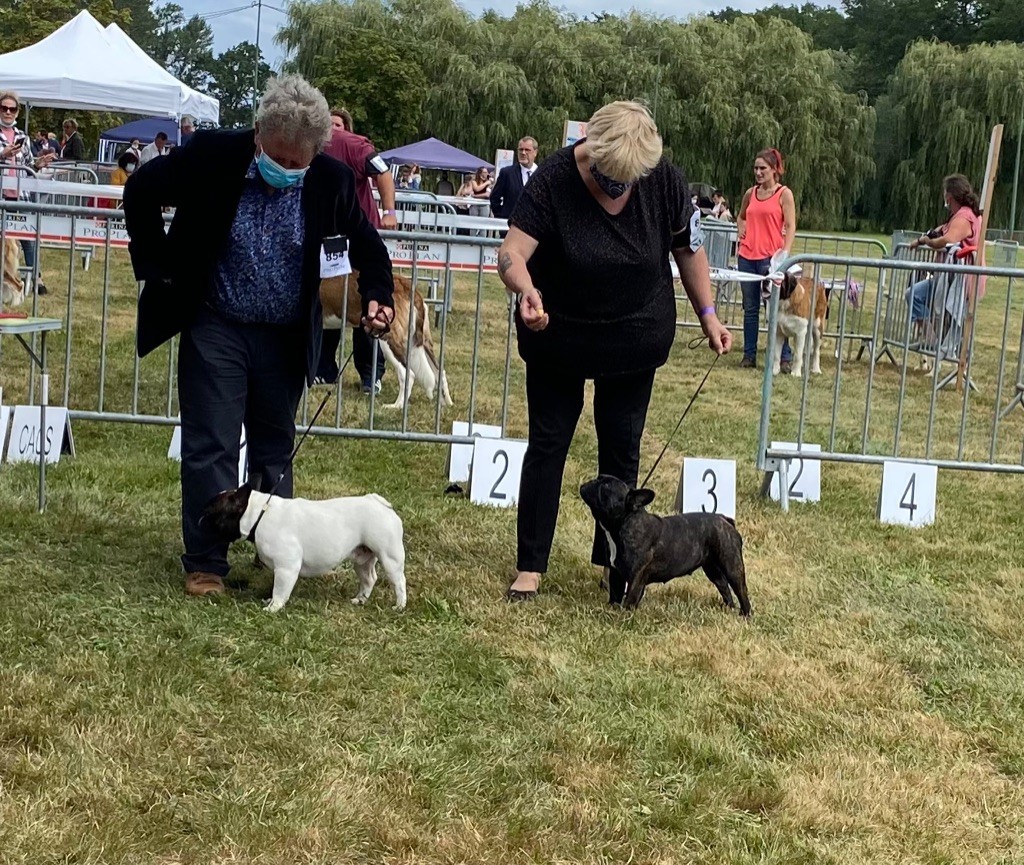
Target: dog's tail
(380, 500)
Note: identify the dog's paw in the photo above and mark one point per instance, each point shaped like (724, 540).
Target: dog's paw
(816, 370)
(776, 369)
(359, 600)
(272, 606)
(398, 607)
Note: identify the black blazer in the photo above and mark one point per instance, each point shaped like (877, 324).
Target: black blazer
(507, 189)
(204, 181)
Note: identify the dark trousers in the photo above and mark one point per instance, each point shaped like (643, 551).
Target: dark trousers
(231, 373)
(362, 356)
(554, 401)
(752, 304)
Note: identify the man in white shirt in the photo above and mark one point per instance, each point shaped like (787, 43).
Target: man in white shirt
(511, 180)
(157, 148)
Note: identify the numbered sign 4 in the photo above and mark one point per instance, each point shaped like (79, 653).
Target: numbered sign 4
(908, 493)
(460, 458)
(708, 487)
(497, 467)
(804, 475)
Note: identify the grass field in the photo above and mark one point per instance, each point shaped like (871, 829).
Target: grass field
(869, 712)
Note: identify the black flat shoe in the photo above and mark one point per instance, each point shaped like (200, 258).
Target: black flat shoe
(517, 596)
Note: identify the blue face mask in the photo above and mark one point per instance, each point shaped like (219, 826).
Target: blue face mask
(275, 175)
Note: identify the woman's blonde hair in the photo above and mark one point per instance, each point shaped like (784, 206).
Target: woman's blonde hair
(10, 94)
(623, 140)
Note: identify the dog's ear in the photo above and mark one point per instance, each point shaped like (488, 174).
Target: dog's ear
(638, 499)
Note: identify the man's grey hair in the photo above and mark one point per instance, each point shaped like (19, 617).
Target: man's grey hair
(294, 109)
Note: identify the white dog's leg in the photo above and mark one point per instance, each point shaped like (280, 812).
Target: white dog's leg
(816, 348)
(422, 371)
(394, 568)
(445, 395)
(366, 570)
(400, 373)
(799, 341)
(284, 583)
(780, 338)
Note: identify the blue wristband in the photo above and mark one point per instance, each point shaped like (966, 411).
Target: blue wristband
(707, 310)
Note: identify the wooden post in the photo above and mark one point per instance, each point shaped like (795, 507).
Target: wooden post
(991, 168)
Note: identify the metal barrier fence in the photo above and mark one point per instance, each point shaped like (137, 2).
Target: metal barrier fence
(97, 375)
(869, 413)
(862, 293)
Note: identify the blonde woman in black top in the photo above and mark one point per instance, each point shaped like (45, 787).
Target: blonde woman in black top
(588, 254)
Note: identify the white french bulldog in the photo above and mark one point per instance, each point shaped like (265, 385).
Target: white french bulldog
(303, 538)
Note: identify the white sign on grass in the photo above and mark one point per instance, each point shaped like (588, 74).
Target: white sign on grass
(804, 475)
(908, 493)
(5, 421)
(460, 457)
(174, 452)
(27, 438)
(708, 487)
(497, 468)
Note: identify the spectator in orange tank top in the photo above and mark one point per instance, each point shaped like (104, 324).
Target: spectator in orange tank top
(766, 225)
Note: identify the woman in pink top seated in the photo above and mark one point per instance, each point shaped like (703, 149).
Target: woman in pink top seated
(964, 226)
(766, 224)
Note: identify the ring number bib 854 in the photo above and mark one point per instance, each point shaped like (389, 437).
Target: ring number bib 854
(334, 257)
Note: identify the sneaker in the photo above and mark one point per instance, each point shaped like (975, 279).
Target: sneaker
(202, 584)
(376, 386)
(748, 363)
(323, 380)
(786, 367)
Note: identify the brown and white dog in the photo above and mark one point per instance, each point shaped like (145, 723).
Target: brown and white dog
(421, 365)
(13, 292)
(795, 293)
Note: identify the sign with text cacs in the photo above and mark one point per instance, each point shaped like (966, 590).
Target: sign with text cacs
(27, 438)
(574, 130)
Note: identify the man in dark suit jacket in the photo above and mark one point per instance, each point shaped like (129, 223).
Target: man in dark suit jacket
(238, 276)
(511, 179)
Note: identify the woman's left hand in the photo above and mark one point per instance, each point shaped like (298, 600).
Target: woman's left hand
(719, 336)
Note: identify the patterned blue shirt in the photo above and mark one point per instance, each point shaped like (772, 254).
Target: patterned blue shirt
(258, 279)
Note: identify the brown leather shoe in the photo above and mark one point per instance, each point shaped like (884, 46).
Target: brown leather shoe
(200, 583)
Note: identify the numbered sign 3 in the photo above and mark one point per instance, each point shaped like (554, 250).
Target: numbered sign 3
(708, 486)
(497, 467)
(460, 458)
(804, 475)
(908, 493)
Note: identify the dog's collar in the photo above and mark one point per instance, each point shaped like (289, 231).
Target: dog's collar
(252, 532)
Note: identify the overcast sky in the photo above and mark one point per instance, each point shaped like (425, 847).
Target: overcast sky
(238, 27)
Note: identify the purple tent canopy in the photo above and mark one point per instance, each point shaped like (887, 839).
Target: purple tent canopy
(433, 153)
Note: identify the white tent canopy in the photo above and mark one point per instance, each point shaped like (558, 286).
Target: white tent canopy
(85, 67)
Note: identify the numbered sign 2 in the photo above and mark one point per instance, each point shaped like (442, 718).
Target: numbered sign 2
(908, 493)
(709, 487)
(460, 459)
(804, 475)
(497, 467)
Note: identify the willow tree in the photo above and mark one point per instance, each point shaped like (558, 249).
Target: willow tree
(944, 103)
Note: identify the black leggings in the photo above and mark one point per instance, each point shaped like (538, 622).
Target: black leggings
(555, 401)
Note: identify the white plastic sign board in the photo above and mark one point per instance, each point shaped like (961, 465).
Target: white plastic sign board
(709, 487)
(460, 458)
(804, 475)
(5, 421)
(503, 159)
(174, 452)
(27, 438)
(908, 493)
(573, 131)
(497, 467)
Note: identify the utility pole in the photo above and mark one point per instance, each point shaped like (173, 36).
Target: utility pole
(256, 62)
(1016, 174)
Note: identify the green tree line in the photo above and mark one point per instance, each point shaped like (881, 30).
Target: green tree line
(872, 105)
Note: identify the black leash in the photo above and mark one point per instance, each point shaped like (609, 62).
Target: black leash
(686, 411)
(287, 465)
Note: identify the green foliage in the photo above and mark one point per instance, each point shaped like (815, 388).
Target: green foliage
(944, 103)
(24, 23)
(718, 91)
(183, 46)
(232, 80)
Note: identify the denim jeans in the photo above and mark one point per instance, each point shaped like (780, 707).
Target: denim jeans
(752, 306)
(29, 248)
(919, 296)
